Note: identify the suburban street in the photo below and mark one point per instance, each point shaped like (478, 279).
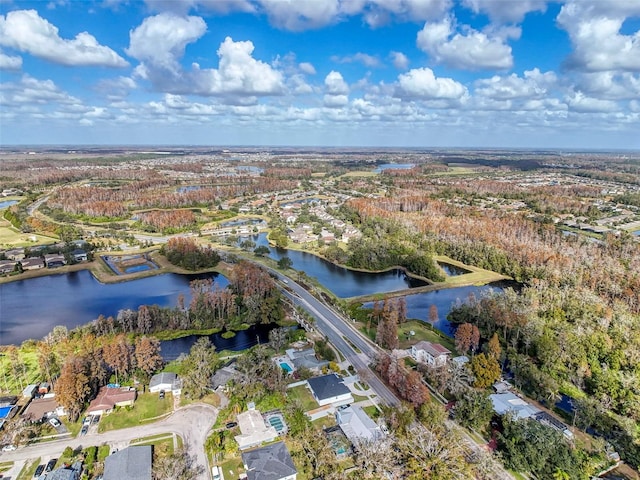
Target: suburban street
(331, 324)
(192, 423)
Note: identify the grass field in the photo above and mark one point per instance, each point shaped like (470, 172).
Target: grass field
(29, 469)
(12, 238)
(478, 276)
(360, 174)
(302, 395)
(26, 372)
(147, 407)
(422, 332)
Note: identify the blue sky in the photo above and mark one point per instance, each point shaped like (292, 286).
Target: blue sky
(433, 73)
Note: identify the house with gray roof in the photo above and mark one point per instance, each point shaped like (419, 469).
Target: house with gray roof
(167, 381)
(305, 359)
(330, 389)
(356, 424)
(131, 463)
(66, 473)
(272, 462)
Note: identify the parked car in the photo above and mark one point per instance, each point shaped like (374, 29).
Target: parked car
(161, 394)
(215, 472)
(9, 448)
(84, 430)
(39, 470)
(55, 422)
(86, 421)
(95, 419)
(50, 465)
(231, 424)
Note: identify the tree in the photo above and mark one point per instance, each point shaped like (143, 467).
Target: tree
(261, 251)
(474, 409)
(278, 338)
(486, 370)
(198, 368)
(467, 338)
(147, 353)
(177, 466)
(72, 387)
(494, 350)
(118, 354)
(47, 361)
(284, 263)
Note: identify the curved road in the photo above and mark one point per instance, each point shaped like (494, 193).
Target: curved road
(192, 423)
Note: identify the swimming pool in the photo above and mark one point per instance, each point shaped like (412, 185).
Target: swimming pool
(286, 367)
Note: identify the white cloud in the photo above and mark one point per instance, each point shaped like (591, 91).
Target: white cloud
(308, 68)
(400, 60)
(335, 84)
(472, 51)
(421, 83)
(26, 31)
(160, 40)
(380, 12)
(367, 60)
(335, 101)
(594, 29)
(10, 62)
(533, 84)
(610, 85)
(298, 15)
(579, 102)
(510, 11)
(31, 91)
(116, 88)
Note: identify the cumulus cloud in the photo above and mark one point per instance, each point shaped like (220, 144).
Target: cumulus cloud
(26, 31)
(301, 15)
(160, 40)
(363, 58)
(335, 84)
(400, 60)
(116, 88)
(335, 101)
(308, 68)
(31, 91)
(421, 83)
(512, 12)
(533, 84)
(579, 102)
(10, 62)
(594, 29)
(610, 85)
(472, 51)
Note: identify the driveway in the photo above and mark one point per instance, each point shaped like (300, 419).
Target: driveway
(192, 423)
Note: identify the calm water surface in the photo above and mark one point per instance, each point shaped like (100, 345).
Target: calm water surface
(31, 308)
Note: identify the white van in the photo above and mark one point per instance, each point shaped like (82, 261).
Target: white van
(216, 473)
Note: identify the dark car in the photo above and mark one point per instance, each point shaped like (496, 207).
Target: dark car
(39, 471)
(161, 394)
(50, 464)
(84, 430)
(231, 424)
(95, 419)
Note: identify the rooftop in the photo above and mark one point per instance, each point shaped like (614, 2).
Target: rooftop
(434, 349)
(272, 462)
(328, 386)
(508, 402)
(131, 463)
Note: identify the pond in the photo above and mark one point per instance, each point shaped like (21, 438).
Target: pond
(341, 281)
(7, 203)
(394, 166)
(31, 308)
(452, 270)
(418, 305)
(636, 233)
(243, 339)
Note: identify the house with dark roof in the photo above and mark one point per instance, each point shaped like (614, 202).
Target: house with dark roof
(272, 462)
(432, 354)
(131, 463)
(79, 255)
(7, 266)
(32, 263)
(329, 389)
(53, 260)
(41, 408)
(305, 359)
(66, 473)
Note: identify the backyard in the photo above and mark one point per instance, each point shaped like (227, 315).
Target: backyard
(147, 407)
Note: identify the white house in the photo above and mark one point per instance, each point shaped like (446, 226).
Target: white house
(166, 381)
(356, 424)
(432, 354)
(330, 389)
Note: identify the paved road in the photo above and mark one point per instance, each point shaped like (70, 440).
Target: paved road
(336, 329)
(192, 423)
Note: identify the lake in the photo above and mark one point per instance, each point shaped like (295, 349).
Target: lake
(418, 305)
(7, 203)
(341, 281)
(394, 166)
(31, 308)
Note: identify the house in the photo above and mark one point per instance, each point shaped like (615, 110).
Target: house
(7, 266)
(272, 462)
(44, 388)
(357, 425)
(166, 381)
(504, 403)
(66, 473)
(111, 397)
(432, 354)
(32, 263)
(329, 389)
(53, 260)
(253, 429)
(41, 408)
(224, 375)
(79, 255)
(16, 254)
(30, 391)
(305, 359)
(131, 463)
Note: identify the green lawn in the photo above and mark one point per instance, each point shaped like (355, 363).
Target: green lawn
(302, 395)
(232, 467)
(147, 407)
(422, 332)
(4, 466)
(162, 445)
(29, 469)
(27, 357)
